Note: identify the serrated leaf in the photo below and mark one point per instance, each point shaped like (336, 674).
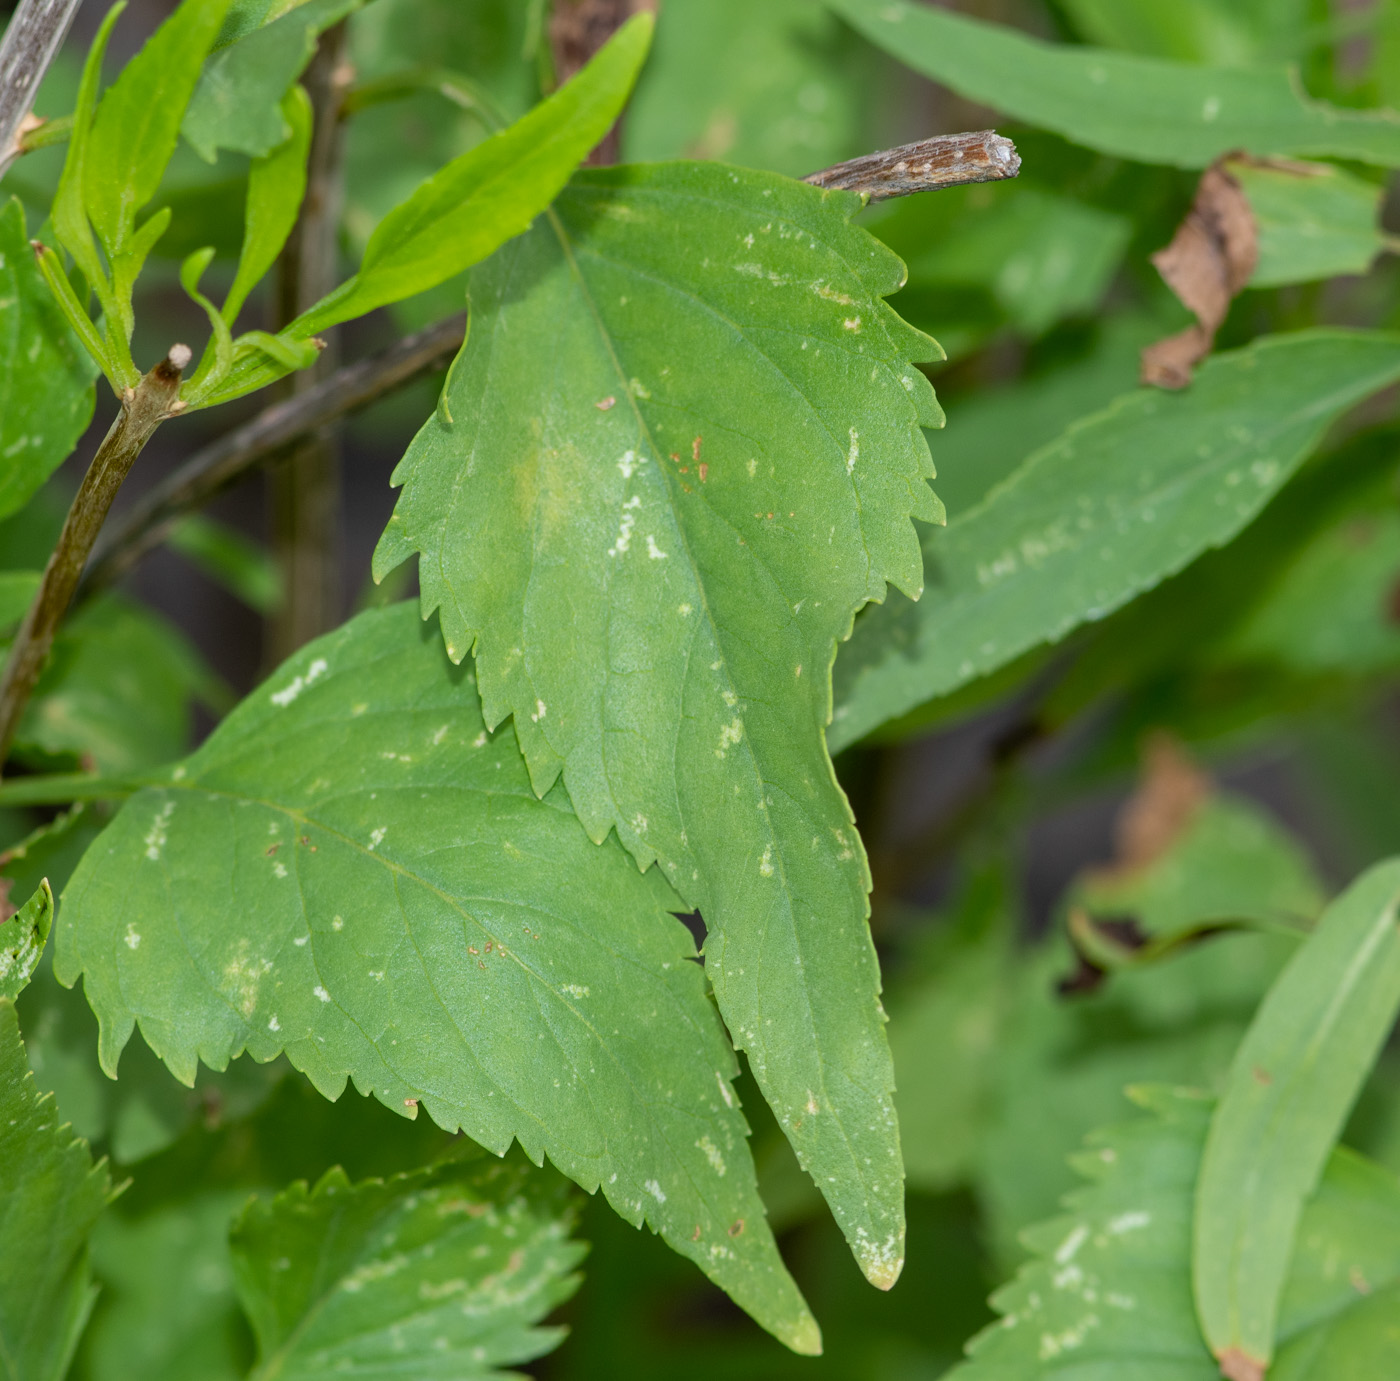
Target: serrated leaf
(1110, 1291)
(680, 447)
(1124, 498)
(446, 1272)
(1149, 109)
(22, 939)
(406, 913)
(1294, 1080)
(50, 1197)
(492, 192)
(46, 392)
(237, 104)
(138, 121)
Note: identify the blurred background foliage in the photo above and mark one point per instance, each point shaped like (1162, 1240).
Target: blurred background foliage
(1264, 674)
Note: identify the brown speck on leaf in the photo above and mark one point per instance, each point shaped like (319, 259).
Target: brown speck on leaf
(695, 449)
(1262, 1076)
(695, 1236)
(1359, 1283)
(272, 849)
(736, 1227)
(1210, 259)
(604, 404)
(1238, 1366)
(704, 472)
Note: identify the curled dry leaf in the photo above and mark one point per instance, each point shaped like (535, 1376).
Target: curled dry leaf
(1172, 789)
(1210, 259)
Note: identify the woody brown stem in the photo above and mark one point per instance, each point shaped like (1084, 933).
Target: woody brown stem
(143, 409)
(946, 160)
(306, 487)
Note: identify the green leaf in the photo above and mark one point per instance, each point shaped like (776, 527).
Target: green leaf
(50, 1197)
(1314, 221)
(1292, 1085)
(1228, 33)
(679, 448)
(1109, 1293)
(120, 689)
(17, 591)
(1331, 608)
(238, 102)
(70, 213)
(168, 1310)
(1122, 500)
(792, 96)
(239, 564)
(1230, 860)
(46, 392)
(441, 1273)
(1041, 256)
(492, 192)
(406, 913)
(22, 939)
(1148, 109)
(138, 122)
(276, 186)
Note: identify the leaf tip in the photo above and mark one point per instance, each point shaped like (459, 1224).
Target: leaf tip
(1237, 1365)
(805, 1336)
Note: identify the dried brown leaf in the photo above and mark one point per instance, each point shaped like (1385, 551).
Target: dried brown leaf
(1210, 259)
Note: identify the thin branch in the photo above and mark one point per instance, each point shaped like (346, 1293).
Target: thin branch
(34, 34)
(148, 523)
(143, 409)
(577, 30)
(946, 160)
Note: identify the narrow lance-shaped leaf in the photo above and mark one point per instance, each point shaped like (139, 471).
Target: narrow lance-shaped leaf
(1149, 109)
(465, 210)
(136, 126)
(1293, 1082)
(238, 103)
(403, 911)
(679, 449)
(1109, 1291)
(22, 938)
(46, 392)
(1123, 499)
(444, 1274)
(50, 1197)
(493, 191)
(276, 186)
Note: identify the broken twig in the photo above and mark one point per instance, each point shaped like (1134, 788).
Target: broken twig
(946, 160)
(148, 523)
